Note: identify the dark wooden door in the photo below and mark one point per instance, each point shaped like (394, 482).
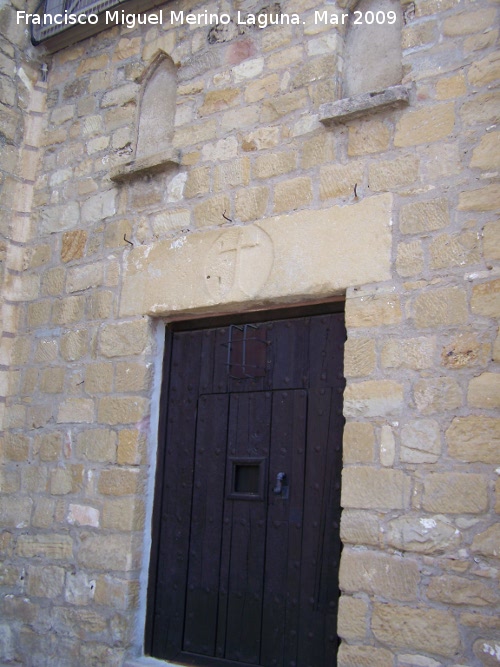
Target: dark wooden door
(244, 567)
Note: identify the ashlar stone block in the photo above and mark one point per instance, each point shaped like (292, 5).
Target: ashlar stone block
(303, 255)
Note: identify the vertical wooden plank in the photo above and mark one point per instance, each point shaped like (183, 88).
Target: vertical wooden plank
(283, 546)
(177, 489)
(249, 436)
(290, 353)
(206, 526)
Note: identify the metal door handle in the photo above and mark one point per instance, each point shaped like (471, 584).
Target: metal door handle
(280, 483)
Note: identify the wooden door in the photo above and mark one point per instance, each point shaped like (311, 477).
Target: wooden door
(244, 567)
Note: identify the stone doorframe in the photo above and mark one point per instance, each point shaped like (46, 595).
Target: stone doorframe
(301, 258)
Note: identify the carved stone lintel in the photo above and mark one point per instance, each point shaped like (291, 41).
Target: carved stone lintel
(150, 164)
(351, 107)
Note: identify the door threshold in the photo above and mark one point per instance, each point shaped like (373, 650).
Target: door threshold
(146, 661)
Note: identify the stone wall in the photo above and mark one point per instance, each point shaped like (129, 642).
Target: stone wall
(395, 209)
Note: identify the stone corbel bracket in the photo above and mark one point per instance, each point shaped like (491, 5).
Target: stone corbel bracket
(151, 164)
(352, 107)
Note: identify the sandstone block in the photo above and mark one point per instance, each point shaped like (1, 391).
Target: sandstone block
(198, 182)
(274, 164)
(361, 527)
(455, 493)
(485, 300)
(441, 307)
(79, 589)
(119, 481)
(424, 216)
(261, 88)
(373, 398)
(120, 96)
(209, 213)
(195, 134)
(51, 546)
(317, 244)
(378, 574)
(97, 445)
(317, 150)
(418, 35)
(241, 117)
(415, 353)
(76, 410)
(373, 310)
(276, 108)
(437, 395)
(99, 206)
(168, 222)
(449, 589)
(46, 581)
(16, 447)
(124, 338)
(83, 515)
(115, 593)
(474, 439)
(251, 203)
(218, 100)
(487, 154)
(480, 109)
(487, 543)
(427, 535)
(48, 446)
(465, 23)
(410, 258)
(483, 199)
(125, 514)
(387, 175)
(132, 377)
(339, 180)
(69, 310)
(420, 442)
(487, 651)
(261, 139)
(359, 357)
(465, 350)
(484, 391)
(371, 488)
(358, 443)
(74, 345)
(99, 378)
(73, 245)
(364, 656)
(292, 194)
(367, 137)
(115, 552)
(425, 125)
(422, 629)
(224, 149)
(352, 618)
(66, 480)
(130, 447)
(232, 174)
(122, 410)
(455, 250)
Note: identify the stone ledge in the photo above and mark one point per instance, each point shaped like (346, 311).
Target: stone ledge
(352, 107)
(150, 164)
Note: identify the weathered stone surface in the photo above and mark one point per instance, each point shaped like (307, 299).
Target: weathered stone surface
(425, 125)
(46, 581)
(373, 398)
(420, 442)
(484, 391)
(358, 443)
(455, 493)
(372, 310)
(359, 357)
(415, 353)
(474, 439)
(487, 543)
(437, 395)
(371, 488)
(316, 244)
(441, 307)
(422, 629)
(424, 216)
(485, 300)
(124, 339)
(352, 618)
(122, 410)
(360, 527)
(364, 656)
(487, 651)
(429, 534)
(449, 589)
(391, 577)
(53, 546)
(108, 552)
